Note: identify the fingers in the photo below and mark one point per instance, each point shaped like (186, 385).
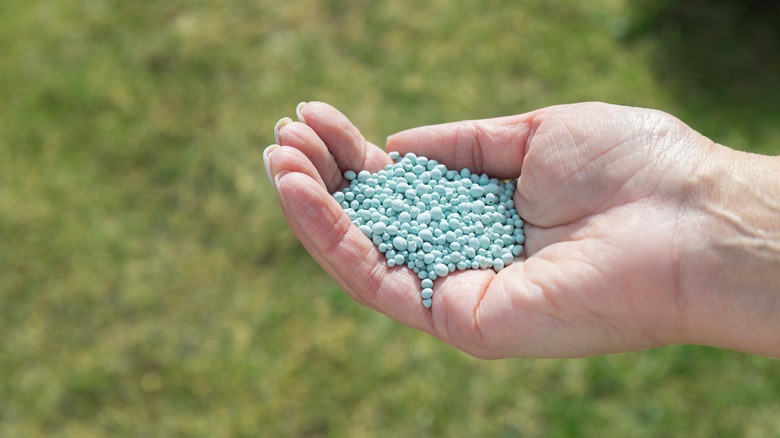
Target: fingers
(330, 141)
(289, 159)
(301, 137)
(493, 146)
(338, 246)
(344, 141)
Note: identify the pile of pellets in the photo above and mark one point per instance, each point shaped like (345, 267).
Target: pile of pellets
(434, 220)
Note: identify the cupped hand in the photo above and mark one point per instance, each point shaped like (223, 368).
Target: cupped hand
(602, 189)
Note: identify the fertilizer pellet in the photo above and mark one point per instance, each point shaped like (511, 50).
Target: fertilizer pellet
(434, 220)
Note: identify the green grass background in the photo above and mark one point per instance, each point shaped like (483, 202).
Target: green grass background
(150, 287)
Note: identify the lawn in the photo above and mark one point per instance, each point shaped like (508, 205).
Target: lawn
(150, 287)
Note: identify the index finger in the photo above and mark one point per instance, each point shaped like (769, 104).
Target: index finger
(494, 146)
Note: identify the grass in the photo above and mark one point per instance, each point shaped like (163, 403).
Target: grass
(148, 282)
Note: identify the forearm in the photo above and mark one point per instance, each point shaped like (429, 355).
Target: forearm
(729, 259)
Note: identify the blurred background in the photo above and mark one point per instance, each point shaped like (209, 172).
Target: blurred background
(150, 287)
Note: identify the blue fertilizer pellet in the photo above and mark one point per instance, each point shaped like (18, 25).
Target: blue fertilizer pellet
(434, 220)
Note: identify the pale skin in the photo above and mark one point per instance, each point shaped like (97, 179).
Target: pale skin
(640, 231)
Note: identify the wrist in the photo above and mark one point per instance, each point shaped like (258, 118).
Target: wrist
(729, 252)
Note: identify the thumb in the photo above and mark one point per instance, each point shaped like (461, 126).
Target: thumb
(494, 146)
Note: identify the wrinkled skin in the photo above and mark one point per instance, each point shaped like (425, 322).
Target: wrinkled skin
(603, 189)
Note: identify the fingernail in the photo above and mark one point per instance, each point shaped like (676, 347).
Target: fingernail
(283, 121)
(267, 161)
(299, 113)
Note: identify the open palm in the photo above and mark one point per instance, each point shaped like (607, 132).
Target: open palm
(601, 187)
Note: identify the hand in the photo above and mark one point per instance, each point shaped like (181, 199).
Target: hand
(603, 190)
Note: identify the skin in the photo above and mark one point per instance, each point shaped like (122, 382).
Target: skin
(640, 231)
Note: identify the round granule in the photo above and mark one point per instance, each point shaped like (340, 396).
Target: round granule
(434, 220)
